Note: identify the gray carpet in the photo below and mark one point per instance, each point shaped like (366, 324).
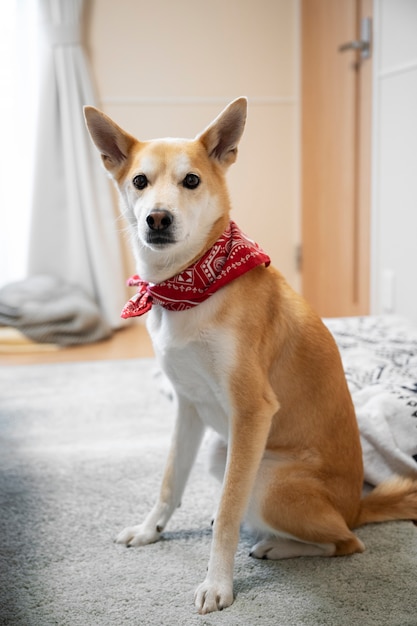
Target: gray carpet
(81, 454)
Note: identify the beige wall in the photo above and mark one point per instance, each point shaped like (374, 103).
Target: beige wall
(167, 68)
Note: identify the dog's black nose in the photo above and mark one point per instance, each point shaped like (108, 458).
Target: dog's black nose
(159, 219)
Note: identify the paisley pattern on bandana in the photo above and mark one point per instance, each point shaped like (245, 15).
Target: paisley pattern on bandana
(232, 255)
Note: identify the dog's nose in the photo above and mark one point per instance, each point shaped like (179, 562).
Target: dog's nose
(159, 219)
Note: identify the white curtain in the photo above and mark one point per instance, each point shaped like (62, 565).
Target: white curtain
(19, 47)
(73, 233)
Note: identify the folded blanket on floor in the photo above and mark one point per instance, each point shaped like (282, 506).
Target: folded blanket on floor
(49, 310)
(379, 356)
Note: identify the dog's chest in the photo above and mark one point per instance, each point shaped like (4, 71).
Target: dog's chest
(198, 359)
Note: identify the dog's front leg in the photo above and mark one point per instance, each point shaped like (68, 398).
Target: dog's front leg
(188, 433)
(248, 436)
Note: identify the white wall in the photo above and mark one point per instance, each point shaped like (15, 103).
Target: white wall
(394, 219)
(166, 68)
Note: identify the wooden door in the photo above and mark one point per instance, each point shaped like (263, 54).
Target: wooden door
(336, 137)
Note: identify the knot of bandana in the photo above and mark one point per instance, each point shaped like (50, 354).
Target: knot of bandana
(232, 255)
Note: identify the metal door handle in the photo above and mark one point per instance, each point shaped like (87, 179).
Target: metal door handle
(354, 45)
(364, 43)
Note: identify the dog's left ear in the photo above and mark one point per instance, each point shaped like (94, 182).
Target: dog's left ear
(221, 138)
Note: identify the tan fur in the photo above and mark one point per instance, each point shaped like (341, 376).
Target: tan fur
(391, 500)
(255, 363)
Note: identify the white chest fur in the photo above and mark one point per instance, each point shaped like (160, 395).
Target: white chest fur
(197, 357)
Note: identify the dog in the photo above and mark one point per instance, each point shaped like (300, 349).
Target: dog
(247, 357)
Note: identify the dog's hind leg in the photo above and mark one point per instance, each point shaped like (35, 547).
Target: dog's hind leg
(217, 459)
(186, 441)
(295, 513)
(217, 456)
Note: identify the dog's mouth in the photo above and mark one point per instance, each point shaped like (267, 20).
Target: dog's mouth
(159, 239)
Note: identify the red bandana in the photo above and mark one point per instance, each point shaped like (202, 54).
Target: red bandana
(232, 255)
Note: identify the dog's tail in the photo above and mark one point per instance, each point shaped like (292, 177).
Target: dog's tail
(395, 499)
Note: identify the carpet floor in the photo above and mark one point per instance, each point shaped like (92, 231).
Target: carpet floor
(82, 448)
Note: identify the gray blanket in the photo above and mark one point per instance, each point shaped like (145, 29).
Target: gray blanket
(48, 310)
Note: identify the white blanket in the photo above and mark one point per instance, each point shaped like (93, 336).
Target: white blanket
(379, 356)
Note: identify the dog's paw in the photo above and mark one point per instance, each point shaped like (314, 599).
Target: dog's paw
(280, 548)
(264, 550)
(211, 596)
(135, 536)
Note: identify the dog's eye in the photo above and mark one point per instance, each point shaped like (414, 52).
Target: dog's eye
(140, 181)
(191, 181)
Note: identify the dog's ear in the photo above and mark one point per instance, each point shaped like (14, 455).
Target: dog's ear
(222, 136)
(113, 143)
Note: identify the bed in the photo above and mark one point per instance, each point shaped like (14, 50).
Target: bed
(379, 355)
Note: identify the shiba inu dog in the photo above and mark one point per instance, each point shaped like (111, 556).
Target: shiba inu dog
(247, 357)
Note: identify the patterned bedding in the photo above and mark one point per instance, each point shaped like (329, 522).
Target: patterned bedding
(379, 355)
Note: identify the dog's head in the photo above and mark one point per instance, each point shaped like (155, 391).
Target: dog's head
(173, 191)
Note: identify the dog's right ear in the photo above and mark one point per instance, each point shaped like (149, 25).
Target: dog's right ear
(113, 143)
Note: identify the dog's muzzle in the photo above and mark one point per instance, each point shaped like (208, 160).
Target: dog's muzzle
(160, 227)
